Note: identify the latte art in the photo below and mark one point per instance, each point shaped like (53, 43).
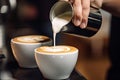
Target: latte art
(31, 39)
(56, 49)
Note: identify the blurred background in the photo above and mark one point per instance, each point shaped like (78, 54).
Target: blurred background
(24, 17)
(93, 62)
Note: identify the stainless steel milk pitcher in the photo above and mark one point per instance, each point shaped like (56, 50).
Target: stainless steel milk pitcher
(94, 19)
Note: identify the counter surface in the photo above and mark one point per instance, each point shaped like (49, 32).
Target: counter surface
(12, 71)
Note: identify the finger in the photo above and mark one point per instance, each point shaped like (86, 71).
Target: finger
(77, 12)
(92, 0)
(96, 3)
(99, 2)
(85, 13)
(63, 0)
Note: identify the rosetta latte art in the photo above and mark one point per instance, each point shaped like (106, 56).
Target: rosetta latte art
(56, 49)
(30, 39)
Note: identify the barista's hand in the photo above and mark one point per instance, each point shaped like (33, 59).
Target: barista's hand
(81, 11)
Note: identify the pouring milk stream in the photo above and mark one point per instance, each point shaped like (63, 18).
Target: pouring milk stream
(60, 15)
(58, 22)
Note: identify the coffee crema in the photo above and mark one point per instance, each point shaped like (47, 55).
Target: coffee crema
(31, 39)
(59, 49)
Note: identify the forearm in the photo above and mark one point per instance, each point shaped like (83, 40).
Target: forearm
(112, 6)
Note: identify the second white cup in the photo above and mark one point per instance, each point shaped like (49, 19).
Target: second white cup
(23, 48)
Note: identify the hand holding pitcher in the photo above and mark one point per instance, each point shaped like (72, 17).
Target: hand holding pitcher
(82, 10)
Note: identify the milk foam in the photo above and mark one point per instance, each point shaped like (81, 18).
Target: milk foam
(30, 39)
(60, 21)
(56, 49)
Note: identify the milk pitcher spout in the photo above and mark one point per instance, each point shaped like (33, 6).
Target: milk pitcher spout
(94, 19)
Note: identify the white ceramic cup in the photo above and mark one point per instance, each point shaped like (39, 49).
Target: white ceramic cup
(56, 62)
(23, 48)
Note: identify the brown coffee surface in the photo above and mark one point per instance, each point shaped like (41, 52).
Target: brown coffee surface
(56, 49)
(31, 39)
